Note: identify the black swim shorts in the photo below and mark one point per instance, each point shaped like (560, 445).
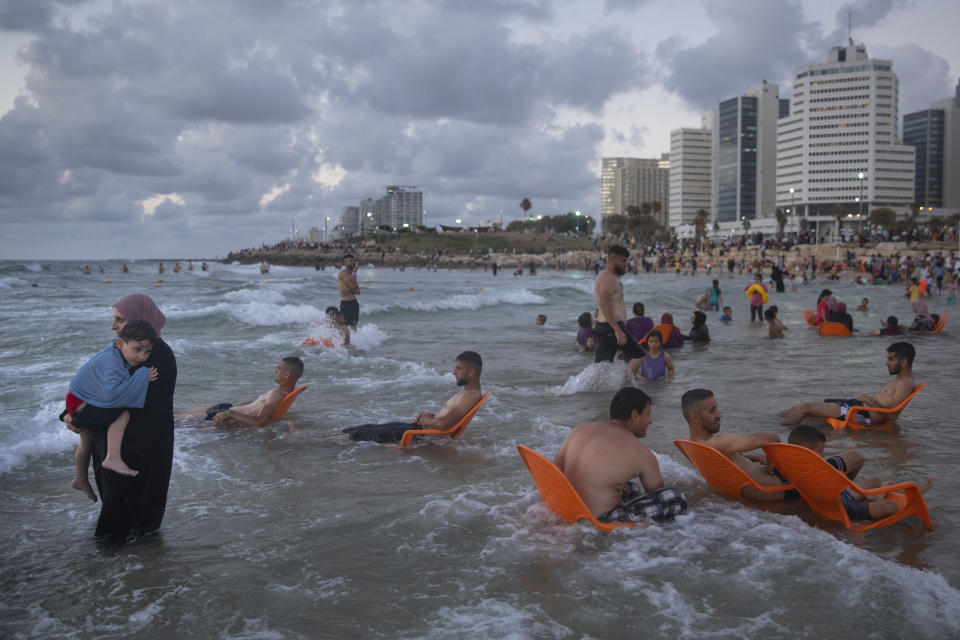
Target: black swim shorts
(607, 347)
(351, 312)
(383, 433)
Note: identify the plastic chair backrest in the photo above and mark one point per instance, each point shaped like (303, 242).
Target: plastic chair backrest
(810, 318)
(454, 432)
(835, 329)
(719, 472)
(821, 484)
(286, 402)
(557, 492)
(665, 331)
(850, 420)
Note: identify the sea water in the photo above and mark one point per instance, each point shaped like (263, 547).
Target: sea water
(293, 531)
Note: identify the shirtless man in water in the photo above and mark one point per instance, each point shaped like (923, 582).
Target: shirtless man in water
(257, 412)
(617, 476)
(348, 287)
(900, 357)
(703, 415)
(466, 370)
(610, 332)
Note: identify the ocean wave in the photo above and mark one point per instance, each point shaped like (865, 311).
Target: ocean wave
(9, 282)
(36, 267)
(466, 301)
(599, 376)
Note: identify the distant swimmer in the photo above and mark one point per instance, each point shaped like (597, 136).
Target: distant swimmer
(100, 393)
(702, 413)
(189, 265)
(617, 476)
(160, 269)
(86, 270)
(176, 268)
(205, 267)
(255, 413)
(349, 289)
(610, 331)
(125, 269)
(466, 370)
(899, 363)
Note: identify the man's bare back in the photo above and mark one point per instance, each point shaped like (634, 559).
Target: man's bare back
(599, 458)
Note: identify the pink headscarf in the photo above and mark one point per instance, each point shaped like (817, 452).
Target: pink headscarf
(840, 307)
(137, 306)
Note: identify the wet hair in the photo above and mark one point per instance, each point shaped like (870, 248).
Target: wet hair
(585, 319)
(638, 309)
(472, 360)
(769, 314)
(628, 400)
(823, 294)
(892, 320)
(727, 309)
(691, 399)
(294, 365)
(716, 284)
(136, 331)
(617, 250)
(543, 317)
(806, 436)
(331, 311)
(655, 333)
(903, 351)
(349, 256)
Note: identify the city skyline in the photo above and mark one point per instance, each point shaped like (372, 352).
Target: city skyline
(164, 125)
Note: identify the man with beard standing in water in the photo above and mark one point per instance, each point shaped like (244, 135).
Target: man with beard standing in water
(611, 334)
(466, 370)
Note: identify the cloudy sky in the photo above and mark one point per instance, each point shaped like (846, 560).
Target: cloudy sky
(176, 128)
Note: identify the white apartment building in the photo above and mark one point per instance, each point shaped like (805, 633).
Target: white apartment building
(691, 172)
(839, 145)
(634, 181)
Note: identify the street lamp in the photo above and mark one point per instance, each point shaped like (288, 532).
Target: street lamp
(578, 222)
(369, 221)
(860, 199)
(791, 200)
(325, 229)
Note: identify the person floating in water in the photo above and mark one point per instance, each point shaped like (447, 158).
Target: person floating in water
(614, 473)
(100, 393)
(255, 413)
(466, 371)
(900, 357)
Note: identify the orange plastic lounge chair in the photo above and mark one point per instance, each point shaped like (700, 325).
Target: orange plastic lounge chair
(850, 421)
(810, 318)
(454, 432)
(558, 493)
(821, 485)
(719, 472)
(285, 403)
(835, 329)
(939, 326)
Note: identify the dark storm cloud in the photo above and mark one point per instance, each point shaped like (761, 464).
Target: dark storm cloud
(928, 79)
(756, 40)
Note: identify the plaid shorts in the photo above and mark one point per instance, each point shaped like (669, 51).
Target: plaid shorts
(635, 505)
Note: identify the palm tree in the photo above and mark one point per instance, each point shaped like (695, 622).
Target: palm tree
(746, 225)
(700, 223)
(526, 206)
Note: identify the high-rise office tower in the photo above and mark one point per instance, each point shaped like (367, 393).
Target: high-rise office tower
(691, 171)
(634, 181)
(838, 150)
(745, 155)
(935, 134)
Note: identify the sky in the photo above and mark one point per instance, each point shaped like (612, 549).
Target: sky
(140, 129)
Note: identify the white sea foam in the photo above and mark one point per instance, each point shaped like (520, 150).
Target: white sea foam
(466, 301)
(36, 267)
(599, 376)
(10, 282)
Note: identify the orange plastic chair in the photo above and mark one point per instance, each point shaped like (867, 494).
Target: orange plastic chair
(850, 421)
(835, 329)
(810, 318)
(664, 329)
(719, 472)
(558, 493)
(820, 484)
(938, 327)
(285, 403)
(454, 432)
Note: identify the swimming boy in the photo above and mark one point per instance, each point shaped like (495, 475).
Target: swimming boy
(255, 413)
(617, 476)
(100, 392)
(727, 315)
(776, 328)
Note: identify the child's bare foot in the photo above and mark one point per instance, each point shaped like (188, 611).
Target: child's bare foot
(82, 484)
(118, 466)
